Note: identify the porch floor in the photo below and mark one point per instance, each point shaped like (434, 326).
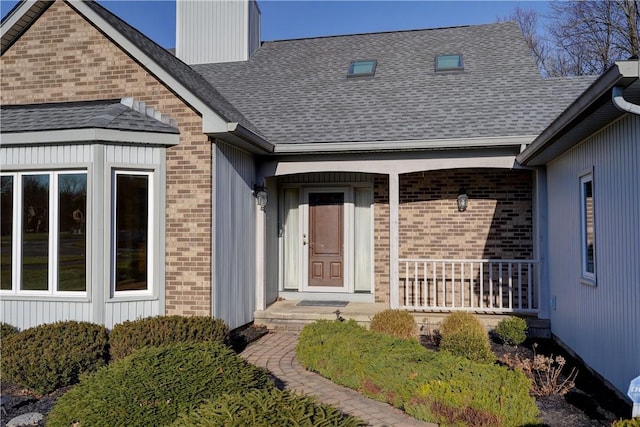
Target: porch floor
(286, 315)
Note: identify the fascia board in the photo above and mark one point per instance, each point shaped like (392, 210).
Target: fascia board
(75, 136)
(428, 144)
(211, 121)
(16, 16)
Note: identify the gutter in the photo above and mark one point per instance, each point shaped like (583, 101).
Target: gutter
(622, 104)
(250, 137)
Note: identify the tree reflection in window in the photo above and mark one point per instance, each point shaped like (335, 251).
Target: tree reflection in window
(131, 233)
(72, 236)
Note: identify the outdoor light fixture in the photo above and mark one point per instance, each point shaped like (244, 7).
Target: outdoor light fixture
(260, 193)
(463, 199)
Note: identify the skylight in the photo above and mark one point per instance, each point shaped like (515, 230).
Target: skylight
(449, 62)
(362, 68)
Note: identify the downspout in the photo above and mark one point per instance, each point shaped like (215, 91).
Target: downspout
(622, 104)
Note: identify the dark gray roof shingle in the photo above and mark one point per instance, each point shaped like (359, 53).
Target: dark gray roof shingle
(109, 114)
(296, 91)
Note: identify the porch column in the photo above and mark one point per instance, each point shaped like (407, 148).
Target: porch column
(260, 258)
(394, 239)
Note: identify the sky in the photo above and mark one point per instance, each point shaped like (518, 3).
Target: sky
(298, 19)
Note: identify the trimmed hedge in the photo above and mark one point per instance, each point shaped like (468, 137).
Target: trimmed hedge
(154, 385)
(6, 330)
(462, 334)
(50, 356)
(265, 408)
(431, 386)
(397, 323)
(512, 330)
(129, 336)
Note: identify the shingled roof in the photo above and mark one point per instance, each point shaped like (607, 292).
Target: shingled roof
(296, 91)
(107, 114)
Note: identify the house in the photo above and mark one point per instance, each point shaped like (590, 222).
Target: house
(381, 167)
(590, 153)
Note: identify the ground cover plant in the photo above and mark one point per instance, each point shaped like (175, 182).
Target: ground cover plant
(432, 386)
(265, 408)
(50, 356)
(127, 337)
(153, 386)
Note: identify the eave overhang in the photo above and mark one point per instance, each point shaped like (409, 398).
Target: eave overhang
(590, 112)
(403, 145)
(89, 136)
(243, 138)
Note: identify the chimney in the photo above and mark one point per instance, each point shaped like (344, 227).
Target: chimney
(216, 30)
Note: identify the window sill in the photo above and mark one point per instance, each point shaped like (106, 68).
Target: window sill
(131, 298)
(588, 282)
(46, 298)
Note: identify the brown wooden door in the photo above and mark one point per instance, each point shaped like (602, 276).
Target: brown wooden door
(326, 239)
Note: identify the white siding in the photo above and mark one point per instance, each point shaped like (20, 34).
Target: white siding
(44, 156)
(118, 312)
(27, 314)
(234, 236)
(599, 323)
(216, 31)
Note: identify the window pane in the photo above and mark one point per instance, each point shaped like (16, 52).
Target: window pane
(132, 224)
(444, 62)
(362, 68)
(589, 235)
(35, 232)
(6, 231)
(72, 240)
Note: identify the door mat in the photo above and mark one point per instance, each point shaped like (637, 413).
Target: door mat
(310, 303)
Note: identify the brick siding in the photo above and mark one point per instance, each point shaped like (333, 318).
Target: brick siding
(64, 58)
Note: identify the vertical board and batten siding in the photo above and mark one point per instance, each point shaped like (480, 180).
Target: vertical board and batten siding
(600, 323)
(216, 31)
(234, 234)
(97, 306)
(272, 231)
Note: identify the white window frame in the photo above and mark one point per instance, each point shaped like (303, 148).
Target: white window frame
(17, 236)
(587, 277)
(150, 233)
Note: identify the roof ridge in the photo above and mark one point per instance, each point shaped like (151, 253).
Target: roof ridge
(388, 32)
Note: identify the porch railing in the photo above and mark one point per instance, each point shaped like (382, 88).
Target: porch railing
(480, 285)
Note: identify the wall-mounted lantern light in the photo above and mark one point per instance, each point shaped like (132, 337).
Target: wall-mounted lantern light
(463, 200)
(260, 193)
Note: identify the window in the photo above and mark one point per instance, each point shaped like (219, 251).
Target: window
(587, 222)
(43, 231)
(449, 62)
(133, 233)
(362, 68)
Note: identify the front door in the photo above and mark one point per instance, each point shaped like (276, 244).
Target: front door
(326, 240)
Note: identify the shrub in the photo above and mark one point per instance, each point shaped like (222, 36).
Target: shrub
(265, 408)
(154, 385)
(127, 337)
(51, 356)
(426, 384)
(634, 422)
(464, 335)
(512, 330)
(544, 373)
(398, 323)
(6, 330)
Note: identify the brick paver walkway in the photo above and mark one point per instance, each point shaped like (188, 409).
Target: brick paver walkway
(276, 352)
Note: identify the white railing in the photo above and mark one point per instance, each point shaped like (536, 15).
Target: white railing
(480, 285)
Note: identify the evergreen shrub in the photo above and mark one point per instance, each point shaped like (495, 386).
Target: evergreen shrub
(462, 334)
(429, 385)
(6, 330)
(398, 323)
(512, 330)
(153, 386)
(50, 356)
(127, 337)
(265, 408)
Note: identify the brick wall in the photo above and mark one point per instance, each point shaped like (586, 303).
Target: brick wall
(381, 237)
(63, 58)
(496, 224)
